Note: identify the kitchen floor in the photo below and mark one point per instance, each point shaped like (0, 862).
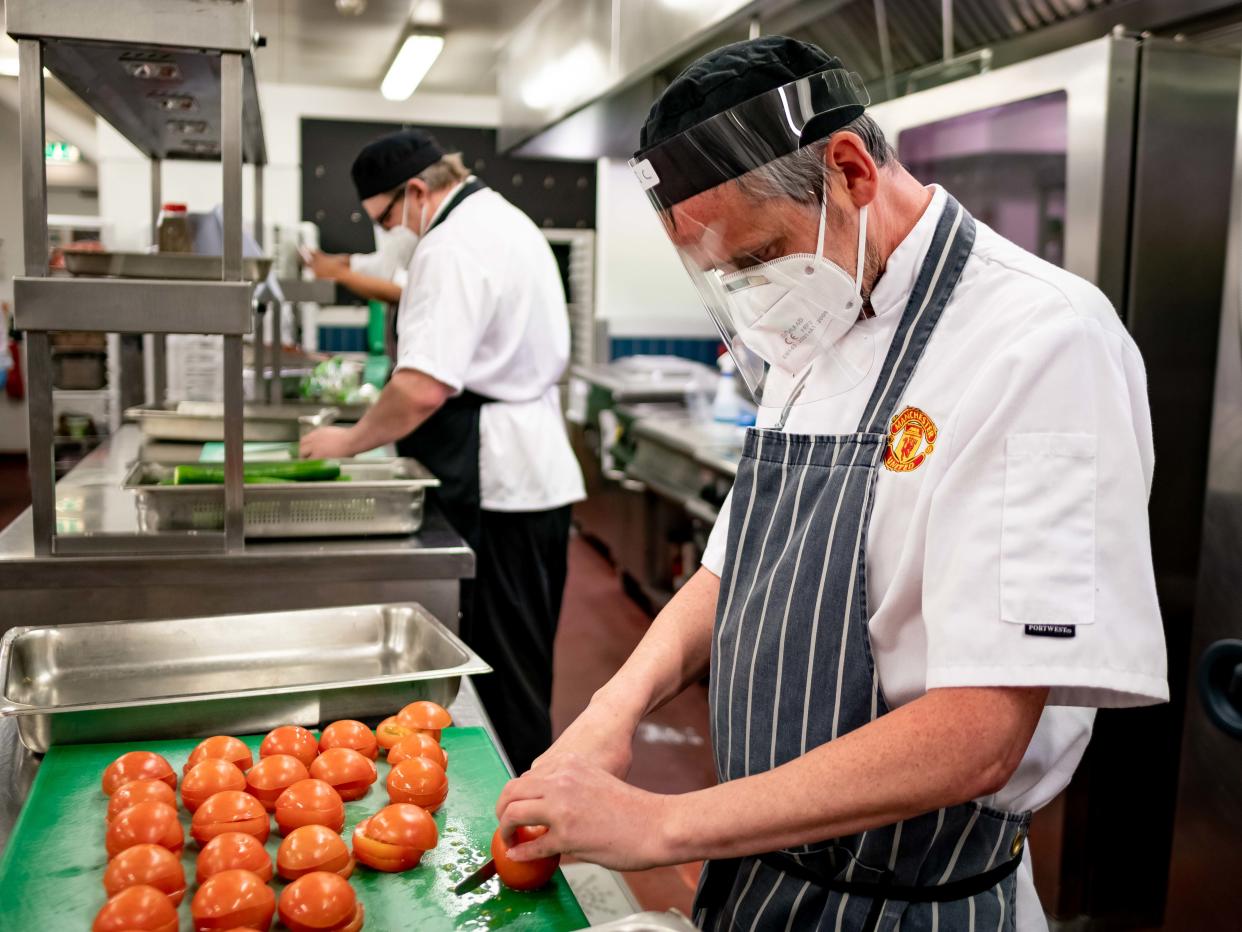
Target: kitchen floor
(600, 625)
(14, 487)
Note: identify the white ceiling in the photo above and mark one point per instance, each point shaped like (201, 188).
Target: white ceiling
(310, 42)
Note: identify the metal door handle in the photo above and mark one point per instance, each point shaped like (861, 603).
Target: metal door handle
(1220, 685)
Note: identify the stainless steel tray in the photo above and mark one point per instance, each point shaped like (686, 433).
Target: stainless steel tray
(203, 421)
(671, 921)
(178, 265)
(382, 496)
(227, 674)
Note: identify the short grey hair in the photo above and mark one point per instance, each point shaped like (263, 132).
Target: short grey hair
(445, 173)
(800, 175)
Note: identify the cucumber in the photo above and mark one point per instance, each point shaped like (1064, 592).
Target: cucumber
(297, 471)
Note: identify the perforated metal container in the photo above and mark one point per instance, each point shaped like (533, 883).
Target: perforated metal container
(382, 496)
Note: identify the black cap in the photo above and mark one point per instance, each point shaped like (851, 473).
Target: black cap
(393, 160)
(728, 76)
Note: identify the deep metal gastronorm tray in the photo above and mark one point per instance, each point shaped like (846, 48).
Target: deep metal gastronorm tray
(382, 496)
(225, 674)
(179, 265)
(203, 421)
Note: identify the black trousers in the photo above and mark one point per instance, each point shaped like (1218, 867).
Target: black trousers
(511, 622)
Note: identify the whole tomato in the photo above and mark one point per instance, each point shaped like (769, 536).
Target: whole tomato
(523, 875)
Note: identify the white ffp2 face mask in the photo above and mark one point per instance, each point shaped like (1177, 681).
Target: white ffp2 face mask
(796, 307)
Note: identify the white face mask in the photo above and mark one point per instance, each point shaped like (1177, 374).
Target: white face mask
(790, 310)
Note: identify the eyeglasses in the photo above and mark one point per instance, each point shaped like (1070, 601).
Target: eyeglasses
(382, 218)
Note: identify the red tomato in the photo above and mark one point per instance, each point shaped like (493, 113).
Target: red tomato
(523, 875)
(390, 731)
(350, 734)
(233, 898)
(146, 865)
(272, 776)
(141, 909)
(137, 765)
(395, 838)
(293, 740)
(146, 823)
(140, 791)
(233, 851)
(320, 902)
(419, 744)
(230, 811)
(350, 773)
(208, 777)
(309, 802)
(313, 848)
(425, 716)
(221, 747)
(419, 781)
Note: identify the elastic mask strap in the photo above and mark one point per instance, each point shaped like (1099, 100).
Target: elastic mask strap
(862, 251)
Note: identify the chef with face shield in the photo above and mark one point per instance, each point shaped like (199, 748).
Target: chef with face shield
(934, 563)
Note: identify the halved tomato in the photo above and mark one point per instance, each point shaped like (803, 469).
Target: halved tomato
(350, 734)
(140, 791)
(395, 838)
(221, 747)
(207, 778)
(313, 848)
(272, 776)
(390, 731)
(350, 773)
(233, 898)
(419, 744)
(137, 765)
(145, 823)
(293, 740)
(138, 909)
(146, 865)
(523, 875)
(230, 811)
(425, 716)
(320, 902)
(233, 851)
(419, 781)
(310, 802)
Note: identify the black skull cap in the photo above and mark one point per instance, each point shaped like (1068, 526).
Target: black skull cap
(728, 76)
(393, 160)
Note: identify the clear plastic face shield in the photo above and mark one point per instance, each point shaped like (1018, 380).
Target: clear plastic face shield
(746, 207)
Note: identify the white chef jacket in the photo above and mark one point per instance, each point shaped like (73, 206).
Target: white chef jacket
(485, 310)
(386, 262)
(1030, 508)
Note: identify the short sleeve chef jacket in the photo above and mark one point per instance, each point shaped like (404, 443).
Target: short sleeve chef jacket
(485, 310)
(1029, 509)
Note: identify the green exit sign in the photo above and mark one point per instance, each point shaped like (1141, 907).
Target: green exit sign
(61, 152)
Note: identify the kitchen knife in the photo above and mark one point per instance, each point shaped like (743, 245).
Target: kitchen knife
(478, 878)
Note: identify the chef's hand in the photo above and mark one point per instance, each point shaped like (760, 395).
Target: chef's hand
(601, 736)
(589, 813)
(323, 265)
(327, 443)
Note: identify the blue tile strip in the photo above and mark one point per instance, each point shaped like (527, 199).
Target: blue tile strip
(700, 350)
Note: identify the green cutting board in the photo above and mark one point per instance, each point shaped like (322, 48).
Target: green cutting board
(51, 873)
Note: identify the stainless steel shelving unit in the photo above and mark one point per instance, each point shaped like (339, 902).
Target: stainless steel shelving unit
(176, 78)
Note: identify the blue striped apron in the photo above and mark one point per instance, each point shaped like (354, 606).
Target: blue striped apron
(792, 669)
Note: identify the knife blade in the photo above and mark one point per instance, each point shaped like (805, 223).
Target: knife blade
(478, 878)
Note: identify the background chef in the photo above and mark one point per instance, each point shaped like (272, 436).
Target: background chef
(482, 340)
(935, 561)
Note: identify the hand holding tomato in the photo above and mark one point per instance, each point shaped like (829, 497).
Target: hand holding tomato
(589, 813)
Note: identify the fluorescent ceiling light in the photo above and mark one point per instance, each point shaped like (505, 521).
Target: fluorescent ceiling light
(418, 53)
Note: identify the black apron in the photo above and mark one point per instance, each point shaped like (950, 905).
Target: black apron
(447, 443)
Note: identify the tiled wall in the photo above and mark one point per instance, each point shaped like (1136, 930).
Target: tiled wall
(342, 339)
(700, 350)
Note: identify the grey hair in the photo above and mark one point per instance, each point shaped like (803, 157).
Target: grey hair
(800, 175)
(444, 173)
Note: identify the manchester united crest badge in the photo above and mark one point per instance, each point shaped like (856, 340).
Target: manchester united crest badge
(911, 439)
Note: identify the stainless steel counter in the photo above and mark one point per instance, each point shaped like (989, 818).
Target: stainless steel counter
(18, 765)
(689, 462)
(267, 576)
